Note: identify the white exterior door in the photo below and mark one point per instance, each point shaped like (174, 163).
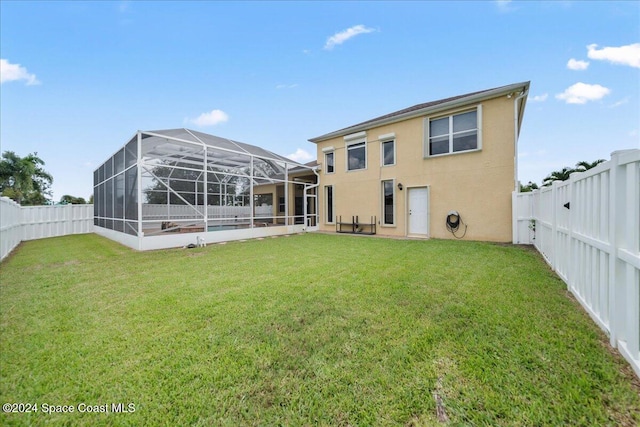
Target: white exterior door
(419, 211)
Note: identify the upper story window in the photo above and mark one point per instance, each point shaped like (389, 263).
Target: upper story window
(329, 164)
(454, 133)
(356, 151)
(357, 155)
(389, 152)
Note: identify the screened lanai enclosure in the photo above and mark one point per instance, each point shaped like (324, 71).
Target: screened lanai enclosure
(177, 187)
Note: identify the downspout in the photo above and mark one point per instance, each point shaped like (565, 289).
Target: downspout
(516, 133)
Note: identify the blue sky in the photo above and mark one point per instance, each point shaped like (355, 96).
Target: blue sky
(80, 78)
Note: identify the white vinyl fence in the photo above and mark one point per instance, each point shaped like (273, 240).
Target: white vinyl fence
(10, 226)
(588, 230)
(18, 223)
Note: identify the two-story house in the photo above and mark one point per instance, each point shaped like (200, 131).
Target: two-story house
(440, 169)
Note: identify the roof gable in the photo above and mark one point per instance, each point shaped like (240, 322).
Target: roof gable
(425, 108)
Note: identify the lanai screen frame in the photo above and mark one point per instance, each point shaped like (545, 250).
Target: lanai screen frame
(144, 168)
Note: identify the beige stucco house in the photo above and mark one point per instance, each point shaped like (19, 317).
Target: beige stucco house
(440, 169)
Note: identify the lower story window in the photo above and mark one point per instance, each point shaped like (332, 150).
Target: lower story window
(388, 202)
(329, 203)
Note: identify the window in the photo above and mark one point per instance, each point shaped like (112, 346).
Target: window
(455, 133)
(328, 161)
(357, 156)
(388, 202)
(388, 153)
(329, 203)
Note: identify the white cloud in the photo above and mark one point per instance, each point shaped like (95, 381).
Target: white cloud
(301, 156)
(124, 10)
(622, 55)
(619, 103)
(12, 72)
(540, 98)
(504, 5)
(211, 118)
(281, 86)
(343, 36)
(581, 93)
(123, 6)
(633, 133)
(575, 64)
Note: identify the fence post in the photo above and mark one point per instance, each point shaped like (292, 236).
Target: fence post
(630, 242)
(572, 250)
(554, 225)
(614, 200)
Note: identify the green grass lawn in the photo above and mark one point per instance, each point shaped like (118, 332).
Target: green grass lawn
(304, 330)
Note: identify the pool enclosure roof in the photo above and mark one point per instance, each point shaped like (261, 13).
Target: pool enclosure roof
(231, 153)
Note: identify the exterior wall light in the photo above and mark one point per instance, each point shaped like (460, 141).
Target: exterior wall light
(400, 186)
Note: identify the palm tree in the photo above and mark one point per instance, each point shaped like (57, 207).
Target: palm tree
(23, 179)
(585, 166)
(566, 172)
(530, 186)
(562, 175)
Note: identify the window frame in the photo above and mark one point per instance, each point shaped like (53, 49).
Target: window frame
(384, 141)
(451, 133)
(327, 205)
(356, 139)
(326, 162)
(383, 205)
(353, 146)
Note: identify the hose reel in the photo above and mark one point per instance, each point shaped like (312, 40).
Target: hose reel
(454, 220)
